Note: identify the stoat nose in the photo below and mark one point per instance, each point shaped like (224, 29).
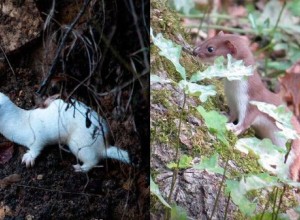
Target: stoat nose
(196, 51)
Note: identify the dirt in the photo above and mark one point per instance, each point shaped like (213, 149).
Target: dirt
(107, 192)
(51, 189)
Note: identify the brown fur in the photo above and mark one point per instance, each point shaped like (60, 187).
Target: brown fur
(238, 47)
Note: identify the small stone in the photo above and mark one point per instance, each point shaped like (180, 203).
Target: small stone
(39, 177)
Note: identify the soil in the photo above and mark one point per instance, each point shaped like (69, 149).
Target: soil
(51, 189)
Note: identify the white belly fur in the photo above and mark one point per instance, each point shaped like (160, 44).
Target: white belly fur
(236, 92)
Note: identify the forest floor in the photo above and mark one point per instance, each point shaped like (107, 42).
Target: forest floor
(51, 189)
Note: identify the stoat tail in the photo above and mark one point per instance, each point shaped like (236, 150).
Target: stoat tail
(117, 154)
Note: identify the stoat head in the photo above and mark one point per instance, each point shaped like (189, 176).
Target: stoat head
(223, 44)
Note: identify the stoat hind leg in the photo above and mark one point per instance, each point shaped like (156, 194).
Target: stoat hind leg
(293, 160)
(88, 156)
(294, 166)
(294, 170)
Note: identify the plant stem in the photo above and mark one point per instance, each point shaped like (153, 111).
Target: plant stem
(270, 45)
(175, 172)
(265, 208)
(278, 19)
(227, 205)
(220, 27)
(280, 201)
(220, 189)
(214, 15)
(274, 204)
(41, 91)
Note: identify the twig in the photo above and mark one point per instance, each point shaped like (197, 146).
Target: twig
(7, 61)
(220, 189)
(138, 31)
(41, 91)
(227, 206)
(267, 204)
(280, 201)
(175, 172)
(123, 86)
(57, 191)
(220, 27)
(274, 204)
(278, 19)
(118, 57)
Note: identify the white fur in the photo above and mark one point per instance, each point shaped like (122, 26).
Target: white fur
(58, 123)
(236, 92)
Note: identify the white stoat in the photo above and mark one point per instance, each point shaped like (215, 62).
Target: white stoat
(75, 125)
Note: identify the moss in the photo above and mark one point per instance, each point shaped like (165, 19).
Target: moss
(165, 20)
(164, 128)
(165, 131)
(161, 97)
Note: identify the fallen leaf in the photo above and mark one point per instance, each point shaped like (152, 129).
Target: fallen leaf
(6, 151)
(13, 178)
(290, 86)
(237, 11)
(127, 185)
(5, 211)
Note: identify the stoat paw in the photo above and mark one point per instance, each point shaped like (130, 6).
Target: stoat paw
(28, 159)
(84, 168)
(230, 126)
(77, 168)
(234, 128)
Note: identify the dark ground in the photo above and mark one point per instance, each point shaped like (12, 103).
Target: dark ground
(51, 189)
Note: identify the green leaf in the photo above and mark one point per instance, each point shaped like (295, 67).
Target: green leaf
(293, 52)
(169, 50)
(216, 123)
(184, 162)
(294, 7)
(233, 70)
(210, 164)
(155, 190)
(184, 6)
(194, 89)
(178, 213)
(283, 66)
(238, 190)
(239, 198)
(271, 157)
(270, 216)
(252, 21)
(158, 79)
(297, 209)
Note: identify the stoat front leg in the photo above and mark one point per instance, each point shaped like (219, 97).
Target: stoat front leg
(247, 115)
(240, 110)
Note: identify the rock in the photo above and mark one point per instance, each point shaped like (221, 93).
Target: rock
(196, 192)
(19, 24)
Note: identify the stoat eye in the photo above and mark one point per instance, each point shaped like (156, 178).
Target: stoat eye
(210, 49)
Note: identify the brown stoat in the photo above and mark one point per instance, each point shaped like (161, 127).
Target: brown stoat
(240, 92)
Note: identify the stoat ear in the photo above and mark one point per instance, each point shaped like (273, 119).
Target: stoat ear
(230, 47)
(221, 33)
